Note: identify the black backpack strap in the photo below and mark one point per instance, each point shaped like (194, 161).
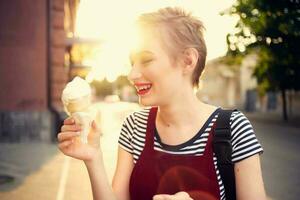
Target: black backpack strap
(223, 150)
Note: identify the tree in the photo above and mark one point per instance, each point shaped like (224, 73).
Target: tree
(271, 29)
(103, 88)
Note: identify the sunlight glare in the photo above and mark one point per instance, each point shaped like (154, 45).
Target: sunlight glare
(114, 25)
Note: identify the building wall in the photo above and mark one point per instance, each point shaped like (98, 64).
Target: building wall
(218, 85)
(247, 81)
(227, 86)
(32, 71)
(23, 49)
(59, 73)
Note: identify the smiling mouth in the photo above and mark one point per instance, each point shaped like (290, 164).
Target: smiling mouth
(143, 89)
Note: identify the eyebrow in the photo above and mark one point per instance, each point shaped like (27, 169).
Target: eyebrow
(132, 56)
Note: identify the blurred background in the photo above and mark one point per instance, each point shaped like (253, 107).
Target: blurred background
(253, 65)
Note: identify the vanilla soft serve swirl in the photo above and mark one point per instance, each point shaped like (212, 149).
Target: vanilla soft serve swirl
(76, 98)
(76, 89)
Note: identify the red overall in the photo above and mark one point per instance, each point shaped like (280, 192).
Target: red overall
(162, 173)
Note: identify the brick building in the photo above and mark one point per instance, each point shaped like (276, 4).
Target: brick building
(32, 66)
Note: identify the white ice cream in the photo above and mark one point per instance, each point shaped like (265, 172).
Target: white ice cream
(76, 98)
(75, 89)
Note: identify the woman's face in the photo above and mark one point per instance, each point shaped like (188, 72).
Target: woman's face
(155, 76)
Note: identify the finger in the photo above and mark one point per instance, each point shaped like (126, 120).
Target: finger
(95, 127)
(182, 195)
(162, 197)
(74, 127)
(65, 144)
(69, 121)
(67, 135)
(157, 197)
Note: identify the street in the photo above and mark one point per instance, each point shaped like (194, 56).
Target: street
(280, 160)
(42, 172)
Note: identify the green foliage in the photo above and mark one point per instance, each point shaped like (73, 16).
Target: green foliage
(272, 30)
(122, 81)
(103, 88)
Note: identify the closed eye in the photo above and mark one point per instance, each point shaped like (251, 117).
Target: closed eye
(146, 61)
(143, 57)
(143, 62)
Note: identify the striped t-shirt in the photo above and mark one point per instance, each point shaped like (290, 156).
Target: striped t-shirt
(243, 139)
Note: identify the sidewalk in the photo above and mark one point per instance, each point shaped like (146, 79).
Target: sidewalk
(274, 118)
(41, 171)
(42, 177)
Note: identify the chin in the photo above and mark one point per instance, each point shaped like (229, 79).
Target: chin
(147, 101)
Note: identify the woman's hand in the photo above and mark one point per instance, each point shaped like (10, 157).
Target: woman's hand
(177, 196)
(71, 145)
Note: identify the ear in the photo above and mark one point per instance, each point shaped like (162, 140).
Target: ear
(190, 58)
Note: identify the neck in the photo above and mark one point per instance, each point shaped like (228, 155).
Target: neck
(180, 112)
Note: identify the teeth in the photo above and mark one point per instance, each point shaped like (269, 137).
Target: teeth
(145, 87)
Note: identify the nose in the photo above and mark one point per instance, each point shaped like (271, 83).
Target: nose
(134, 74)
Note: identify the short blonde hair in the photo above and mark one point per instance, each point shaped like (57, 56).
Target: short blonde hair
(184, 30)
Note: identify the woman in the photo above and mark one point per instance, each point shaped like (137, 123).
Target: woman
(165, 151)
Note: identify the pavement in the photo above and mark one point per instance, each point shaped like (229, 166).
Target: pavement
(43, 176)
(280, 160)
(274, 117)
(41, 171)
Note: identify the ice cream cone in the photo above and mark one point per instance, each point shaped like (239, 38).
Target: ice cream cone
(84, 120)
(76, 98)
(78, 105)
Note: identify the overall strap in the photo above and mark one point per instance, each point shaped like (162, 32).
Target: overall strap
(149, 143)
(223, 150)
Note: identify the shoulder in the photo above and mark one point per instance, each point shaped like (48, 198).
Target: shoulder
(133, 128)
(238, 120)
(243, 137)
(236, 113)
(137, 117)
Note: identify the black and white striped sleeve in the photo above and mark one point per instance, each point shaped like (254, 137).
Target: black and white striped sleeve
(243, 139)
(125, 138)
